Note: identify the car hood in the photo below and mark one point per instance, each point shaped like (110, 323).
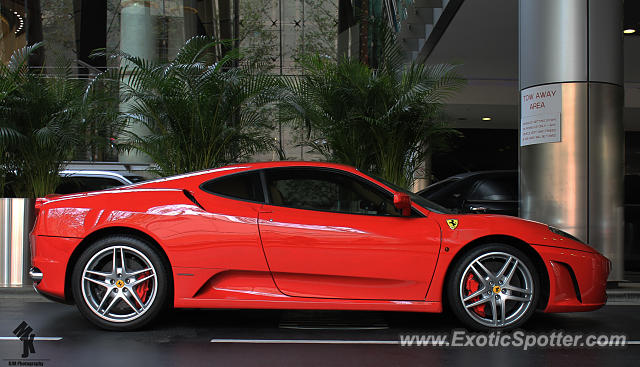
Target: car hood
(479, 225)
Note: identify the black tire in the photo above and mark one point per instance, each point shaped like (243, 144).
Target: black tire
(111, 289)
(493, 288)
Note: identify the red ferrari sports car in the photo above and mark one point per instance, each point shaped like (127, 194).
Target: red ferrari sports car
(301, 235)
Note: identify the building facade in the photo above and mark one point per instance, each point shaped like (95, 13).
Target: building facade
(585, 50)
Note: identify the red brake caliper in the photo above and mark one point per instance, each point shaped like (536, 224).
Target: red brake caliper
(143, 288)
(471, 285)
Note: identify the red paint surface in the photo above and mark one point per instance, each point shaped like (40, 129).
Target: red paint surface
(237, 254)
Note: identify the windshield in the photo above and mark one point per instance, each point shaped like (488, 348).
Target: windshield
(438, 185)
(427, 204)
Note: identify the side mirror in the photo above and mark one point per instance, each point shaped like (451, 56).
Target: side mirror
(402, 202)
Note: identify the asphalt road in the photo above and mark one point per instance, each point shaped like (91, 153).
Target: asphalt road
(309, 338)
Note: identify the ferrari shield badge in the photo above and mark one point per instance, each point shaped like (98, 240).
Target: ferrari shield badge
(453, 223)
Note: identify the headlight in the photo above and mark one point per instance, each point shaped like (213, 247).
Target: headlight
(564, 234)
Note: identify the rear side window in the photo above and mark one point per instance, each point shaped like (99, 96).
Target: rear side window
(243, 186)
(74, 184)
(498, 188)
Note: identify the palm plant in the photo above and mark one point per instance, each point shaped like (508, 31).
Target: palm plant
(7, 86)
(383, 120)
(102, 120)
(39, 123)
(197, 112)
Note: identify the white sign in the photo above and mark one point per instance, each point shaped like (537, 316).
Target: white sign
(540, 120)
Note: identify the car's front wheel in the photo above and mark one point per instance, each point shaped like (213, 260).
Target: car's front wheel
(120, 283)
(493, 287)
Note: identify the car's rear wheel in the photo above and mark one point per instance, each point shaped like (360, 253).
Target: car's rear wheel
(120, 283)
(494, 287)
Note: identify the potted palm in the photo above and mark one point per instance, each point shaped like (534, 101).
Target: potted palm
(384, 119)
(39, 128)
(197, 111)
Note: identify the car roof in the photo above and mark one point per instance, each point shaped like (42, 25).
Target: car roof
(193, 178)
(88, 173)
(481, 173)
(439, 185)
(257, 165)
(273, 164)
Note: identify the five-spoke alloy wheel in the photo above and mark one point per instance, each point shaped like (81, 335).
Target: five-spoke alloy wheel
(493, 287)
(120, 283)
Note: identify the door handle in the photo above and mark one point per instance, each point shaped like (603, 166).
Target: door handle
(478, 209)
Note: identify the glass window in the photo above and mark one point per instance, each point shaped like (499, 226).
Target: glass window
(327, 191)
(135, 179)
(422, 201)
(244, 186)
(434, 188)
(499, 188)
(451, 195)
(72, 185)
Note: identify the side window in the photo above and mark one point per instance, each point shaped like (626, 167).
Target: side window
(74, 184)
(243, 186)
(499, 188)
(326, 191)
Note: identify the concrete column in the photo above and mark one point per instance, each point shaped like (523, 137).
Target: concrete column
(137, 38)
(137, 34)
(575, 48)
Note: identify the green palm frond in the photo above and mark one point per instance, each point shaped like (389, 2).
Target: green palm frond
(18, 63)
(197, 113)
(380, 120)
(44, 119)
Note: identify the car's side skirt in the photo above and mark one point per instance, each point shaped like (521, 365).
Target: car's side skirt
(221, 288)
(297, 303)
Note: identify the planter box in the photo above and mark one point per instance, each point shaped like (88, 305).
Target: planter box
(16, 221)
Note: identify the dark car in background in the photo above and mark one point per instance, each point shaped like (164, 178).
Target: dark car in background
(491, 192)
(496, 192)
(632, 222)
(75, 181)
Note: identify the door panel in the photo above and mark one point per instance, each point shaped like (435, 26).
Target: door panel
(335, 255)
(224, 234)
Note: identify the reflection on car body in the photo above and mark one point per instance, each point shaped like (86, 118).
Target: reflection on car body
(301, 235)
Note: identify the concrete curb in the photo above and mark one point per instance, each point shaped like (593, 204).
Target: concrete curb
(26, 293)
(623, 295)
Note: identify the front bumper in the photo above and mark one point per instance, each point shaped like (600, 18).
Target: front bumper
(577, 279)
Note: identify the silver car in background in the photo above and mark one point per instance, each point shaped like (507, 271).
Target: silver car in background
(73, 181)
